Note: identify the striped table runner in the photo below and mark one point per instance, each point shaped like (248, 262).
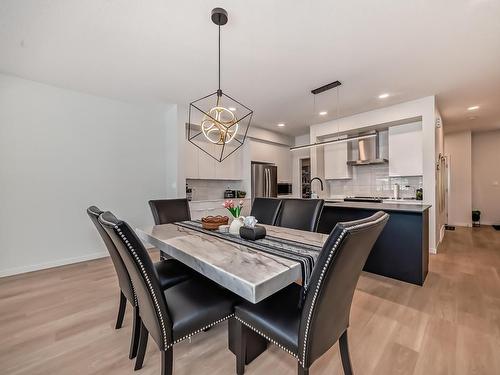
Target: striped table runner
(303, 253)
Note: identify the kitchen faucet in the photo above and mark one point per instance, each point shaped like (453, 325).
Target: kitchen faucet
(314, 195)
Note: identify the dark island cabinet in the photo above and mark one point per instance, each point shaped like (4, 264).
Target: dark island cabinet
(402, 250)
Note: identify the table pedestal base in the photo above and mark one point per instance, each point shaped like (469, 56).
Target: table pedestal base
(256, 344)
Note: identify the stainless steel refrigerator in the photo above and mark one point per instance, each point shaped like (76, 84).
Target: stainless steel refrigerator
(264, 180)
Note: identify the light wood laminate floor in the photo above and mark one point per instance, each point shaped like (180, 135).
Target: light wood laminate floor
(61, 321)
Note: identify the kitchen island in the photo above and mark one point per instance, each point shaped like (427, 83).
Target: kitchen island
(402, 250)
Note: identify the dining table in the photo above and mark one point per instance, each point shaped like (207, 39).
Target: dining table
(254, 270)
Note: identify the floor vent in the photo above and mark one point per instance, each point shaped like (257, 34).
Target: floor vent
(449, 227)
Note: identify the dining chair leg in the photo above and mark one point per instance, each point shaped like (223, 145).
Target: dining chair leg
(241, 347)
(121, 311)
(136, 330)
(344, 354)
(141, 351)
(301, 370)
(167, 361)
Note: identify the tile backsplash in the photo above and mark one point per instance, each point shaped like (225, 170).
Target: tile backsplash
(374, 180)
(212, 189)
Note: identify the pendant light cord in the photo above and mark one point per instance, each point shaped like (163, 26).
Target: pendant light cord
(338, 110)
(219, 57)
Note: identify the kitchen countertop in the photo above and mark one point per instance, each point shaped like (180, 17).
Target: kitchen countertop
(218, 200)
(417, 208)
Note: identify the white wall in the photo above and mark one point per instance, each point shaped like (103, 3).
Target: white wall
(175, 120)
(457, 146)
(424, 109)
(61, 151)
(486, 175)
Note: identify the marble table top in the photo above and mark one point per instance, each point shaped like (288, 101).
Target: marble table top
(249, 273)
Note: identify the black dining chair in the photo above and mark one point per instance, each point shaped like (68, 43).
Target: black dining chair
(170, 272)
(166, 211)
(307, 324)
(300, 214)
(172, 315)
(266, 210)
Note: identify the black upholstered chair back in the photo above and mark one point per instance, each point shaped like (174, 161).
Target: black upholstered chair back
(325, 314)
(300, 214)
(166, 211)
(266, 210)
(121, 271)
(150, 298)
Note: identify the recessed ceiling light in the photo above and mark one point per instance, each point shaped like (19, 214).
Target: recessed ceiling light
(473, 108)
(322, 113)
(232, 109)
(281, 125)
(383, 96)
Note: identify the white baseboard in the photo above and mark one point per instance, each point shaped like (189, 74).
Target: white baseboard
(468, 225)
(434, 250)
(55, 263)
(490, 222)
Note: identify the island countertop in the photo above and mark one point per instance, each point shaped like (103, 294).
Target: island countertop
(400, 207)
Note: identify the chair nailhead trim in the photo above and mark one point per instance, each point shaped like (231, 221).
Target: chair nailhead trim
(141, 266)
(269, 339)
(136, 303)
(318, 285)
(188, 336)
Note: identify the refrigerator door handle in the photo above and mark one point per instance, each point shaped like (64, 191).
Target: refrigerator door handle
(265, 184)
(268, 183)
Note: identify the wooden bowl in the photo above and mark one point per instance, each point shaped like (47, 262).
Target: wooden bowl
(214, 222)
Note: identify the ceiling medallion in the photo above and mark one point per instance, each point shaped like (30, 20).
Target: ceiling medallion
(218, 124)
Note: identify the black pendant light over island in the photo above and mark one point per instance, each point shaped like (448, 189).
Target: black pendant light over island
(218, 124)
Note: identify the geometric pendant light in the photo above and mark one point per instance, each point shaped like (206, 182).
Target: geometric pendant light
(217, 123)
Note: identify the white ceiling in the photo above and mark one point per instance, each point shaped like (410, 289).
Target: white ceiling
(273, 53)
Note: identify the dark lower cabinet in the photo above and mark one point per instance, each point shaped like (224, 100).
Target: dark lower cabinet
(402, 250)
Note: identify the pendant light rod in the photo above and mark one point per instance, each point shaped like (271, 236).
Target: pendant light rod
(338, 140)
(327, 87)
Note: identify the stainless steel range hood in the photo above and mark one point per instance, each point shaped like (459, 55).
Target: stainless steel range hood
(368, 151)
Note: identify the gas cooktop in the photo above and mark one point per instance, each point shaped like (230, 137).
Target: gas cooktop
(365, 199)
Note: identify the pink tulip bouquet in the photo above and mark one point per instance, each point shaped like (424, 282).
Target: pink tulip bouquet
(234, 209)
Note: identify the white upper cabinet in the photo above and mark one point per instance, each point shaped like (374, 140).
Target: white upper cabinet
(206, 163)
(406, 150)
(199, 165)
(230, 168)
(336, 156)
(284, 163)
(191, 160)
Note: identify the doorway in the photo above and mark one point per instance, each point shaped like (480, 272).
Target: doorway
(305, 177)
